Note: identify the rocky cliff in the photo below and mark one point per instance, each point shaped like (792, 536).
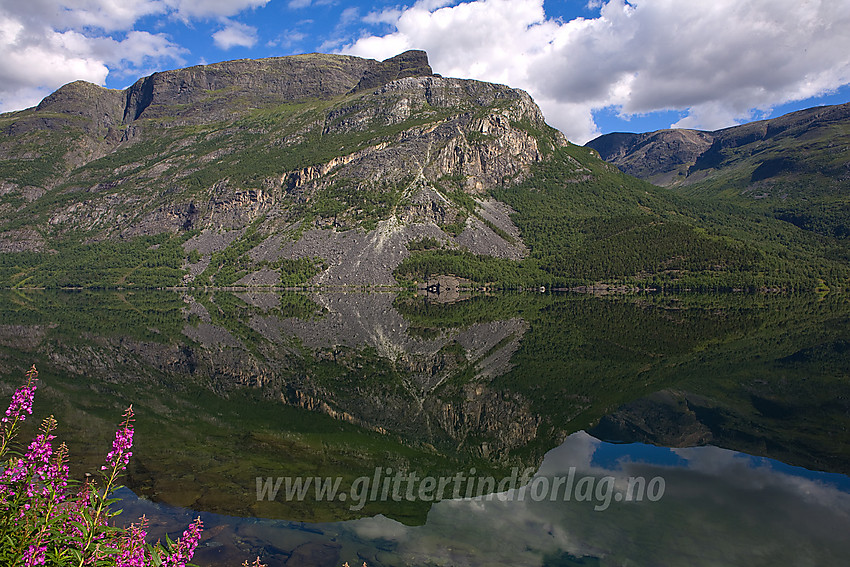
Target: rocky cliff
(659, 157)
(323, 156)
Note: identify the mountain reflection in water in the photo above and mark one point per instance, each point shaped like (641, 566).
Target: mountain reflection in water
(229, 387)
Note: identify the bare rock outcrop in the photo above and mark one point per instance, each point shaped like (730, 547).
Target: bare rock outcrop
(327, 157)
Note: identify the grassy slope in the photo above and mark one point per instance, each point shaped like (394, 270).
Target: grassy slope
(799, 176)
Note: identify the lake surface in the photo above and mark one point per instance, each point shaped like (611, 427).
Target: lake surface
(516, 429)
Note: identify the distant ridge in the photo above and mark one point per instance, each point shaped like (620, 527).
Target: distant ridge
(682, 156)
(795, 167)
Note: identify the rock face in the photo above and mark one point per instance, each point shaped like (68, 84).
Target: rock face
(659, 157)
(98, 106)
(324, 156)
(265, 80)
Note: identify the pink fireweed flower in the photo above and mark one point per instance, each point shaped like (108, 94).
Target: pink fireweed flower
(43, 475)
(132, 546)
(37, 463)
(40, 450)
(75, 509)
(186, 545)
(120, 454)
(21, 405)
(56, 474)
(16, 470)
(34, 555)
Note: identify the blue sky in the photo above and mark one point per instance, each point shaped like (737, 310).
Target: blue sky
(594, 66)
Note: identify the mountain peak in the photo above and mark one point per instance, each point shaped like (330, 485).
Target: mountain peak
(412, 63)
(259, 81)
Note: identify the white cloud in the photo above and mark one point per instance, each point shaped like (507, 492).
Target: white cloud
(718, 61)
(61, 15)
(47, 62)
(434, 4)
(47, 43)
(299, 4)
(116, 15)
(235, 34)
(36, 62)
(212, 8)
(388, 16)
(287, 39)
(348, 15)
(137, 53)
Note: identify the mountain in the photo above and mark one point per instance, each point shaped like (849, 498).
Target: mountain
(334, 170)
(795, 167)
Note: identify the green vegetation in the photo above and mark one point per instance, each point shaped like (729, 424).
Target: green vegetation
(229, 265)
(792, 168)
(142, 262)
(482, 269)
(424, 243)
(44, 157)
(251, 160)
(298, 271)
(456, 226)
(357, 203)
(808, 195)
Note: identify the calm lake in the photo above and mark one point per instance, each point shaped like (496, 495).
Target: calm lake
(511, 429)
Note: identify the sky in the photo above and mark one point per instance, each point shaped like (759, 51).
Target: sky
(593, 66)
